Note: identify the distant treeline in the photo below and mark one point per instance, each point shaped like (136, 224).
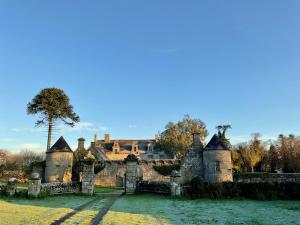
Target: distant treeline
(254, 156)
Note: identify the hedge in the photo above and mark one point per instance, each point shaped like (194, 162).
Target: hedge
(257, 191)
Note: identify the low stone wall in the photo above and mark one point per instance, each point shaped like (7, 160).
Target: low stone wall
(60, 188)
(114, 172)
(266, 177)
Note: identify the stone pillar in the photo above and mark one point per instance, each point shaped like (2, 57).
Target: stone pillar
(175, 186)
(88, 181)
(11, 186)
(131, 174)
(34, 186)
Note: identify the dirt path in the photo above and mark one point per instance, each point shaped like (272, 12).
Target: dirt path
(114, 196)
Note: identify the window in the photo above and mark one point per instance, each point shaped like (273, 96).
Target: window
(218, 166)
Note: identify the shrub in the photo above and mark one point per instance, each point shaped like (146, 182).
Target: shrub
(21, 193)
(197, 188)
(166, 170)
(256, 191)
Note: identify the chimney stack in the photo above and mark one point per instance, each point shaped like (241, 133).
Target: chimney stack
(197, 140)
(95, 138)
(81, 143)
(106, 138)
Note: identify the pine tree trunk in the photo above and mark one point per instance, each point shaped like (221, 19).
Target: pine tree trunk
(49, 134)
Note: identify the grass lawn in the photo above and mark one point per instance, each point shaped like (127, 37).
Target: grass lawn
(100, 189)
(38, 211)
(149, 210)
(154, 209)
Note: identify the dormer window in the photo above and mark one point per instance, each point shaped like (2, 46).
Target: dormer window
(116, 147)
(134, 148)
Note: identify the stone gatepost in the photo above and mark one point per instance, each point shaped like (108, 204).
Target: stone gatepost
(175, 186)
(34, 186)
(88, 181)
(131, 174)
(11, 186)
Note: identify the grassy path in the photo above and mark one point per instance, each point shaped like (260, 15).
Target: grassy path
(103, 212)
(76, 210)
(90, 212)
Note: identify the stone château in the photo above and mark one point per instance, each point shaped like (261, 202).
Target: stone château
(212, 163)
(108, 149)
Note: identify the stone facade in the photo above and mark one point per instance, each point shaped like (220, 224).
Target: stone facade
(217, 166)
(192, 163)
(59, 160)
(114, 172)
(108, 149)
(88, 182)
(212, 163)
(131, 175)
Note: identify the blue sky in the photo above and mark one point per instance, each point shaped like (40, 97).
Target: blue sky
(129, 67)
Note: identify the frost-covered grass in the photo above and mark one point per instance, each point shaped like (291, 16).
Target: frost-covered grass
(38, 211)
(85, 216)
(148, 210)
(153, 209)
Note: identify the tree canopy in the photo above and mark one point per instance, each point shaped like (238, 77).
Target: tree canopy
(52, 104)
(177, 137)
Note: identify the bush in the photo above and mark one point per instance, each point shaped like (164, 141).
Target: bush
(44, 193)
(21, 193)
(166, 170)
(197, 188)
(256, 191)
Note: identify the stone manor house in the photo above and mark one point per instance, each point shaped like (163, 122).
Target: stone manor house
(211, 162)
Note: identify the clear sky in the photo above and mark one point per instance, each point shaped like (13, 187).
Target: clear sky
(129, 67)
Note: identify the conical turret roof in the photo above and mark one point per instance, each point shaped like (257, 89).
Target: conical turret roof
(216, 144)
(60, 146)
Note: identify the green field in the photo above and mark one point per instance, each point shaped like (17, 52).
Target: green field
(148, 210)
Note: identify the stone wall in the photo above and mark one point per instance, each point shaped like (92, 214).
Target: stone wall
(114, 171)
(60, 188)
(192, 164)
(266, 177)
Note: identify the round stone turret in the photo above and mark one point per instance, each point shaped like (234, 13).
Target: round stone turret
(59, 160)
(217, 161)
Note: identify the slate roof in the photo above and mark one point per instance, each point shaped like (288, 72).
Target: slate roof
(60, 146)
(216, 144)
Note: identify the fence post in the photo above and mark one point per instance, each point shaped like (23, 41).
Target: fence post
(175, 187)
(11, 186)
(34, 186)
(131, 174)
(88, 181)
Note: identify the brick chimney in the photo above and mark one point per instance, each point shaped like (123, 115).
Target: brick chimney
(81, 143)
(106, 138)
